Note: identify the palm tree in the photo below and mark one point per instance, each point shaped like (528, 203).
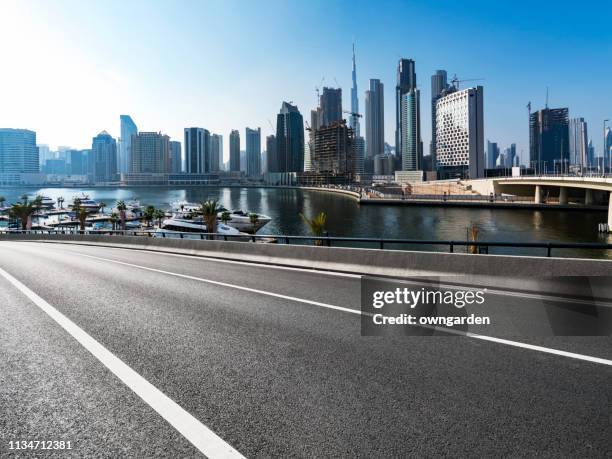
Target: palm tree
(101, 206)
(60, 202)
(209, 210)
(159, 216)
(23, 212)
(114, 218)
(37, 203)
(254, 219)
(225, 217)
(121, 207)
(149, 215)
(76, 205)
(2, 201)
(24, 198)
(81, 215)
(316, 225)
(473, 232)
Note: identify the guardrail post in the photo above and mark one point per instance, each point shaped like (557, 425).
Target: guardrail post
(451, 247)
(382, 244)
(548, 249)
(253, 238)
(287, 240)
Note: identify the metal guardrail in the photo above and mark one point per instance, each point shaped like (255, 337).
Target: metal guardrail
(328, 241)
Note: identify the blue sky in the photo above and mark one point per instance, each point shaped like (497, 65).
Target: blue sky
(72, 67)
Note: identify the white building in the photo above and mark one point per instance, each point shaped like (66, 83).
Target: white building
(578, 142)
(460, 133)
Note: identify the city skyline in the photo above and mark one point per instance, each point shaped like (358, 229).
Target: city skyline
(77, 88)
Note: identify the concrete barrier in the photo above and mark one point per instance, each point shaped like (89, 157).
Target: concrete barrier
(389, 263)
(533, 275)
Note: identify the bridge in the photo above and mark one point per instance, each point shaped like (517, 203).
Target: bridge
(143, 347)
(585, 190)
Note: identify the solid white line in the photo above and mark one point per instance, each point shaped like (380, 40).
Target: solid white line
(204, 439)
(225, 284)
(490, 291)
(507, 342)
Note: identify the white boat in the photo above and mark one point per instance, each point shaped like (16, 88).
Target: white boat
(186, 225)
(242, 220)
(47, 202)
(239, 219)
(86, 203)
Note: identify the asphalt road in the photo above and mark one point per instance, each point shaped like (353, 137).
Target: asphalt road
(271, 376)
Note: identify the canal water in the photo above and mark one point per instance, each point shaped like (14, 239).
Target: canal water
(345, 217)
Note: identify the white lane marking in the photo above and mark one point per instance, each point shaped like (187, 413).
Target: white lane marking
(507, 342)
(201, 257)
(204, 439)
(225, 284)
(510, 293)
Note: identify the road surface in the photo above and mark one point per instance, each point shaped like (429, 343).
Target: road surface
(144, 354)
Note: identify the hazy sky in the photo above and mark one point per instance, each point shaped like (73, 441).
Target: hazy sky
(70, 68)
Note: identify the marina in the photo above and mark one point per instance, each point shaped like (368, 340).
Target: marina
(345, 216)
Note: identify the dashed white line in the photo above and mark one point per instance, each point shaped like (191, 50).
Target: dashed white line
(493, 339)
(200, 436)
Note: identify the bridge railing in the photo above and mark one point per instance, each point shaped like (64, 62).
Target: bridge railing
(451, 246)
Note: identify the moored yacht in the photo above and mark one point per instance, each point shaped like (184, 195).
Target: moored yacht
(194, 225)
(239, 219)
(242, 220)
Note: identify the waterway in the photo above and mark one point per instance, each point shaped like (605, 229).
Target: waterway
(345, 217)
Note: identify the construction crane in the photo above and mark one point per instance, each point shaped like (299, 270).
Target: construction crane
(308, 128)
(348, 112)
(271, 126)
(455, 81)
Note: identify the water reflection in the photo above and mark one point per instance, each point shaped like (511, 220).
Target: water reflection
(345, 217)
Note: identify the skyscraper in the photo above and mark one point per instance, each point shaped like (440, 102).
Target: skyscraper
(334, 153)
(578, 142)
(549, 139)
(234, 151)
(216, 152)
(271, 157)
(150, 153)
(331, 105)
(128, 129)
(439, 83)
(492, 154)
(607, 153)
(197, 150)
(253, 152)
(460, 133)
(18, 151)
(509, 155)
(410, 131)
(176, 161)
(354, 120)
(406, 80)
(289, 152)
(104, 151)
(77, 160)
(375, 119)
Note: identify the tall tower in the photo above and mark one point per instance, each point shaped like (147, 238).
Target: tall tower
(354, 120)
(406, 80)
(128, 129)
(439, 83)
(375, 119)
(289, 152)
